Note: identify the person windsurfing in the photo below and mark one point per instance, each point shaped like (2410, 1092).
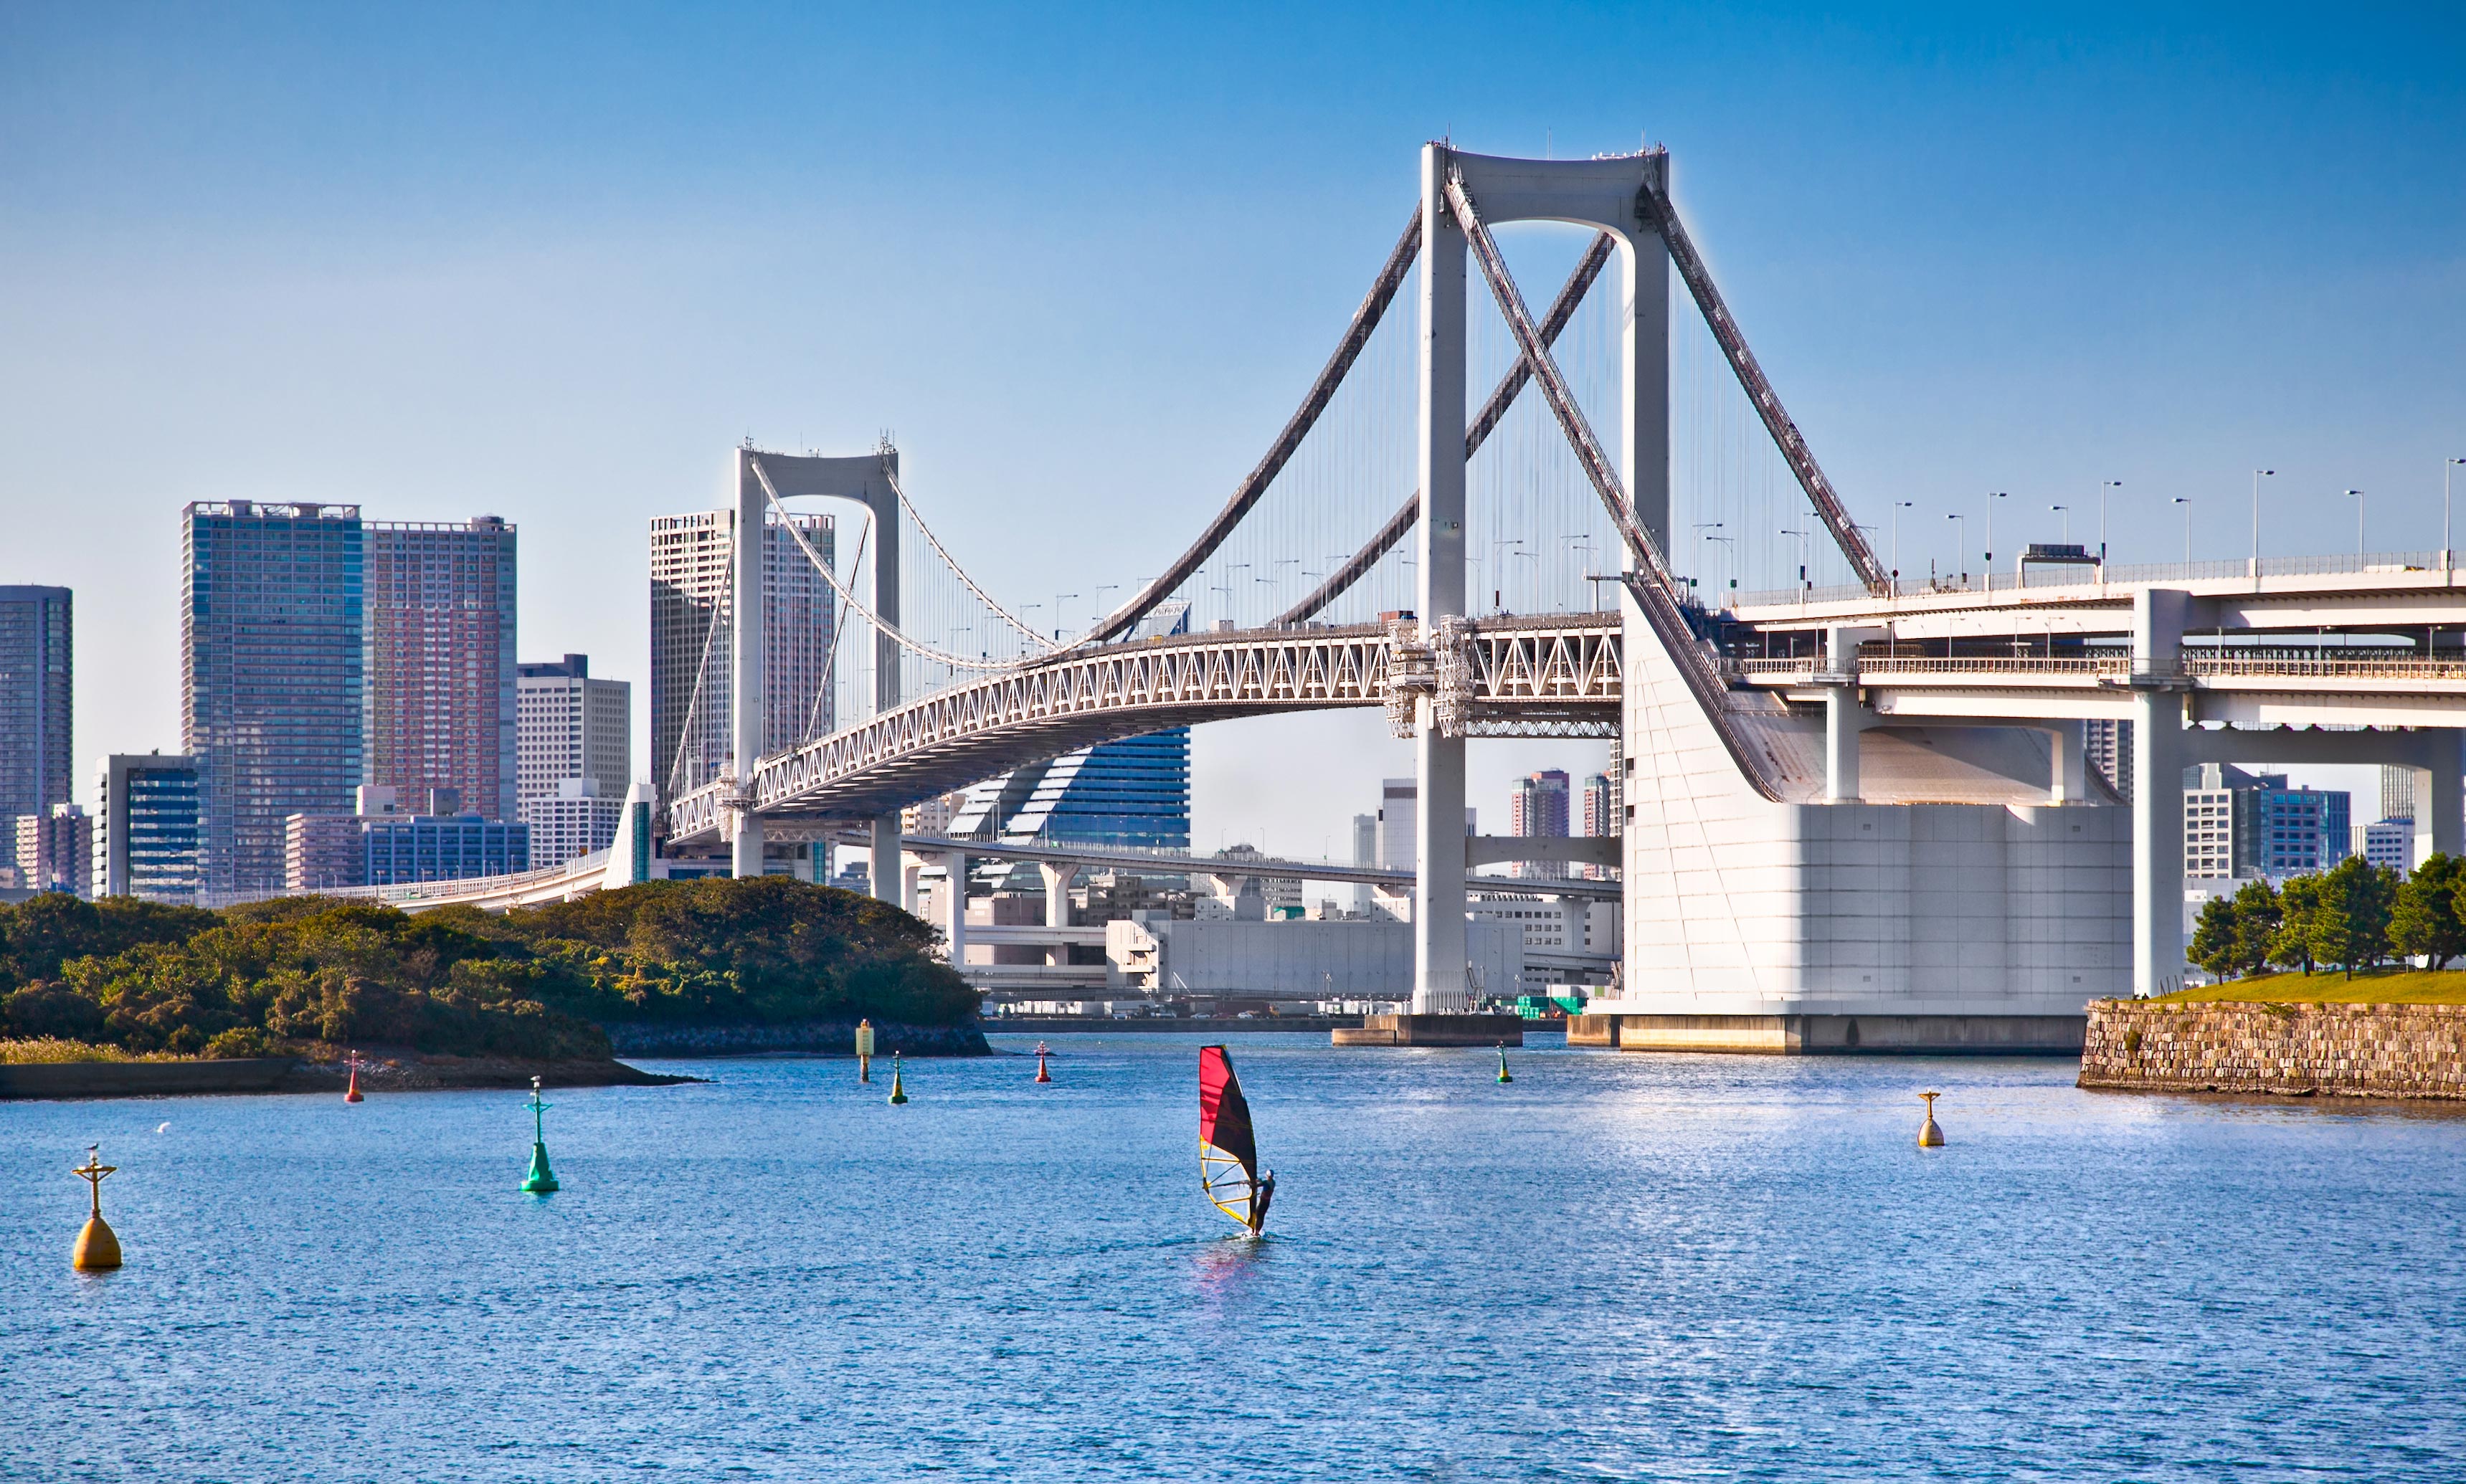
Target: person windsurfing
(1228, 1151)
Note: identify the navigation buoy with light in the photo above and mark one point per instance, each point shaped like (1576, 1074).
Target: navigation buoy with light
(351, 1093)
(1929, 1137)
(898, 1088)
(864, 1051)
(1502, 1063)
(97, 1250)
(1042, 1074)
(541, 1179)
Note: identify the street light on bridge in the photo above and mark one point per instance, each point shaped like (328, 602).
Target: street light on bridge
(2257, 475)
(2104, 485)
(2359, 522)
(1898, 506)
(1963, 521)
(1987, 556)
(2186, 500)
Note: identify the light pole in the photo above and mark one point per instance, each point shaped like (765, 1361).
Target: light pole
(1986, 557)
(1723, 541)
(1804, 585)
(2104, 485)
(1701, 526)
(2448, 468)
(2066, 511)
(1058, 625)
(1965, 547)
(2257, 475)
(1898, 506)
(2359, 523)
(2186, 500)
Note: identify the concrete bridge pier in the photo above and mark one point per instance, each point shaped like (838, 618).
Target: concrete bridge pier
(884, 874)
(2159, 615)
(954, 907)
(1057, 907)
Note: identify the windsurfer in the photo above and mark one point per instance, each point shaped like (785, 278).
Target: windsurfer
(1261, 1192)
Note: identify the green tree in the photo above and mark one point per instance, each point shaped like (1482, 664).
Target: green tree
(2235, 933)
(2350, 919)
(2430, 916)
(2298, 904)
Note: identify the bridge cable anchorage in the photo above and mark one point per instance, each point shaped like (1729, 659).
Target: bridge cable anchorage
(1654, 205)
(1356, 335)
(1492, 412)
(1656, 592)
(960, 572)
(913, 646)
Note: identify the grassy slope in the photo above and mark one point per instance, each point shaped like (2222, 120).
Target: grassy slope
(2376, 986)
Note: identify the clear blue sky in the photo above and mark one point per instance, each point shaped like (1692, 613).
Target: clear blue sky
(551, 261)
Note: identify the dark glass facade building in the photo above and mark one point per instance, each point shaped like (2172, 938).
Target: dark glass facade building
(146, 842)
(36, 676)
(273, 700)
(1133, 792)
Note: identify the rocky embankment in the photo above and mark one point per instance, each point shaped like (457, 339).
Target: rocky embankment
(813, 1037)
(2299, 1050)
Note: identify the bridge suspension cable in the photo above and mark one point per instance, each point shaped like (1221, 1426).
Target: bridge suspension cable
(1658, 593)
(1356, 335)
(1759, 389)
(1401, 524)
(904, 640)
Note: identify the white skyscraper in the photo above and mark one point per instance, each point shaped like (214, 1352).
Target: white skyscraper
(570, 729)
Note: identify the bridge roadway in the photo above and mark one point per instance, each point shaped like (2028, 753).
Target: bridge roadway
(1562, 674)
(1555, 675)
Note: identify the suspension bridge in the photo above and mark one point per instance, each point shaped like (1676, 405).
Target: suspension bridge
(1845, 794)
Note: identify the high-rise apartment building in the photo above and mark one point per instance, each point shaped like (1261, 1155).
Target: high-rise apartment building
(55, 852)
(690, 557)
(574, 730)
(147, 841)
(2107, 747)
(2397, 792)
(1602, 815)
(440, 660)
(1538, 809)
(36, 678)
(273, 676)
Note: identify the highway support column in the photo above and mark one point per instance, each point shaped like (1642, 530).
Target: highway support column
(2159, 617)
(744, 674)
(1057, 907)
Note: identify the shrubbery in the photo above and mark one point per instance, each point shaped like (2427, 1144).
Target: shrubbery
(2350, 916)
(536, 982)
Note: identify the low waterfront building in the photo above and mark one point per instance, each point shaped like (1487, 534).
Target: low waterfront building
(575, 820)
(1168, 958)
(381, 845)
(53, 851)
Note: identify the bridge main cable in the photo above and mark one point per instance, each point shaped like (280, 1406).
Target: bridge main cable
(1401, 524)
(1356, 335)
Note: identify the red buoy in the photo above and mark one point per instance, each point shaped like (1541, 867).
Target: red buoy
(352, 1092)
(1042, 1074)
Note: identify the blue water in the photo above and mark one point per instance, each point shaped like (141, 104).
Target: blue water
(1618, 1267)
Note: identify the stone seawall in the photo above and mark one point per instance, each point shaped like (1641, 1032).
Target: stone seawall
(812, 1037)
(2351, 1050)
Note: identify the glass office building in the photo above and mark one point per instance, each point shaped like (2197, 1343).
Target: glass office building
(442, 711)
(1133, 792)
(273, 641)
(146, 842)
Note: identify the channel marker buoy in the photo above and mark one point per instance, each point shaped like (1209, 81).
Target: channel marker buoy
(1042, 1074)
(1502, 1063)
(541, 1179)
(98, 1250)
(898, 1088)
(1929, 1137)
(351, 1093)
(864, 1051)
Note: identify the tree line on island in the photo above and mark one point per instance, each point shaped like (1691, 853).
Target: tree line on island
(2352, 916)
(306, 974)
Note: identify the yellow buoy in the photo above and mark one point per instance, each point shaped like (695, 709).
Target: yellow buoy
(97, 1249)
(1929, 1137)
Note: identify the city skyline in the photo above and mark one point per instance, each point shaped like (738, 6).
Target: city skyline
(505, 281)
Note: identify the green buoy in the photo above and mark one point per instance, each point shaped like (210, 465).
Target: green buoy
(898, 1089)
(1502, 1063)
(541, 1179)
